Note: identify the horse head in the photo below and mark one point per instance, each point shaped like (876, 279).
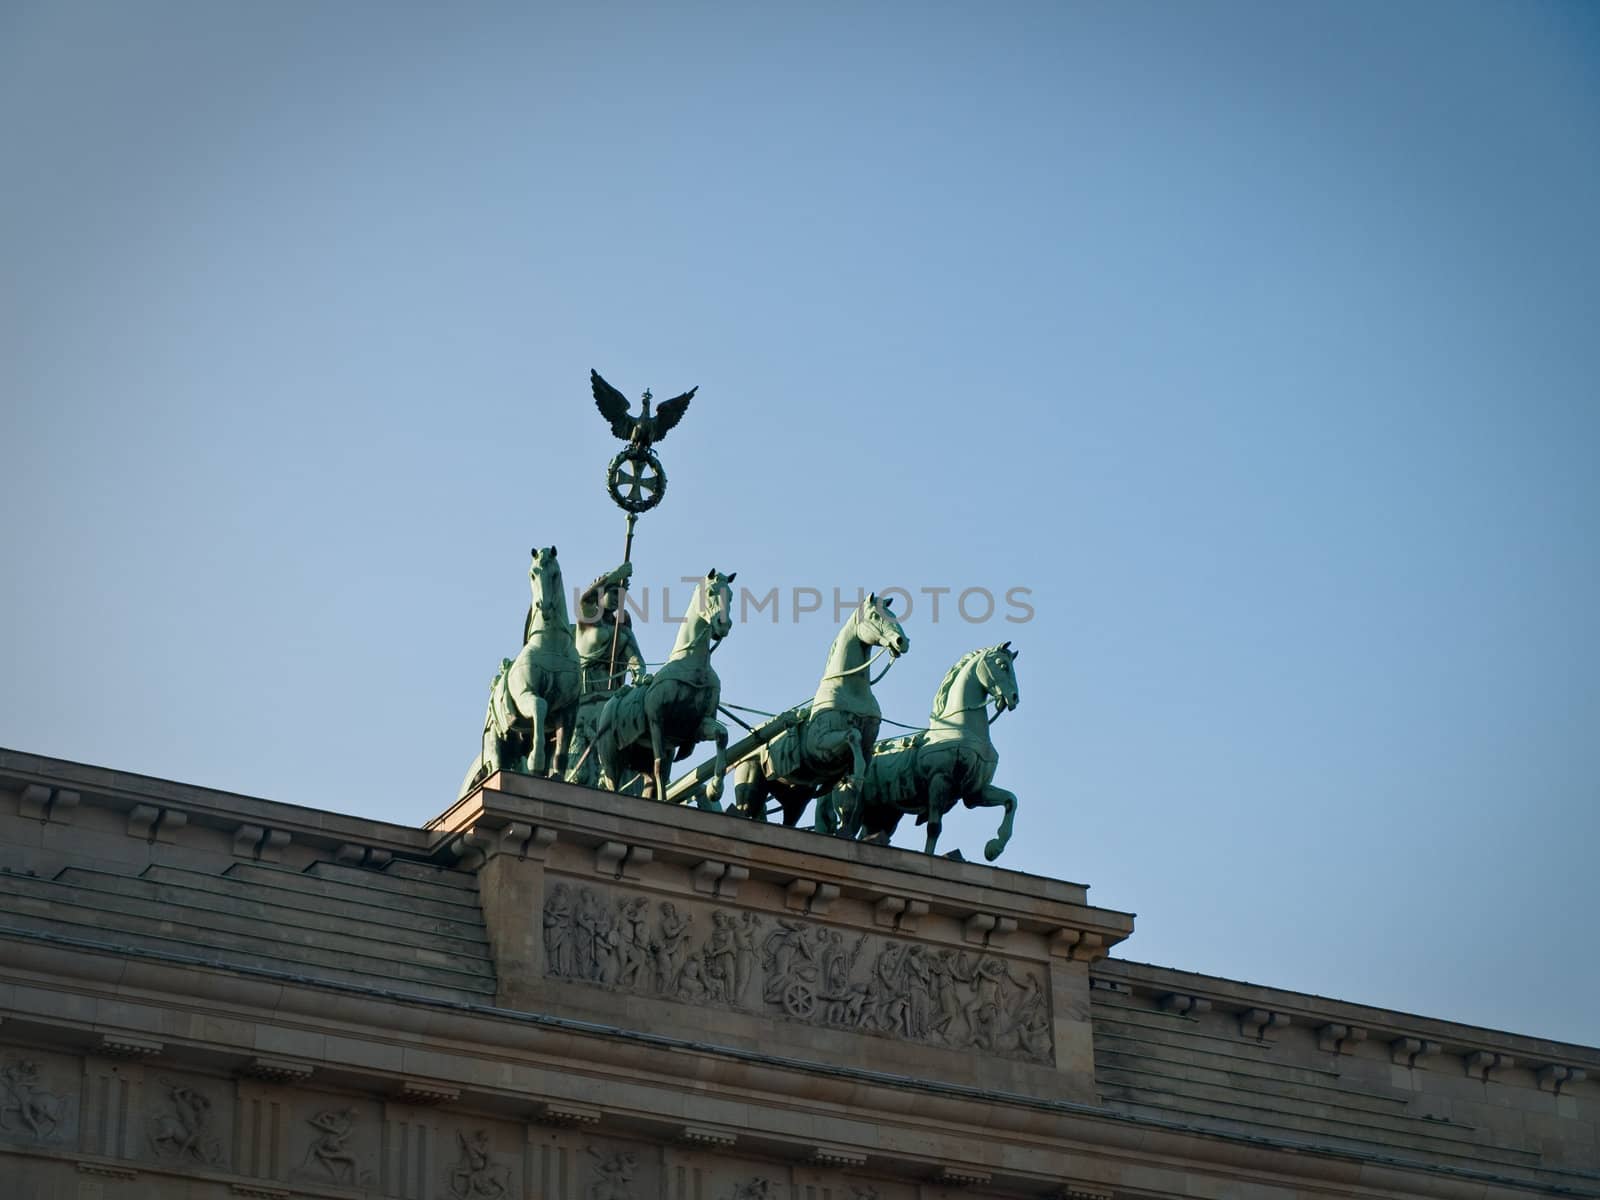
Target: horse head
(998, 676)
(716, 602)
(876, 625)
(972, 681)
(710, 613)
(548, 605)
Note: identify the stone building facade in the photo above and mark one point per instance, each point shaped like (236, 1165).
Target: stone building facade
(551, 993)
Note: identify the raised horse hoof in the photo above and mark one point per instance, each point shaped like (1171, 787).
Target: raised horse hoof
(992, 848)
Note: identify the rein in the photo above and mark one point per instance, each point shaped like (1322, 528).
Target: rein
(874, 679)
(694, 642)
(982, 705)
(553, 627)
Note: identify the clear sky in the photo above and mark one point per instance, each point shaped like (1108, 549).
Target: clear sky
(1258, 341)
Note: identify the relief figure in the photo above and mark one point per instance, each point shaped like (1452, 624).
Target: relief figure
(670, 947)
(24, 1102)
(719, 956)
(476, 1174)
(328, 1145)
(746, 958)
(613, 1174)
(185, 1132)
(558, 931)
(633, 943)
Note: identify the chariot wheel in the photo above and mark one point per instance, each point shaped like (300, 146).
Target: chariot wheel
(799, 999)
(636, 480)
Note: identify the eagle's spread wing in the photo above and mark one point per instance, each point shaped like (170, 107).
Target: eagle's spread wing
(670, 412)
(613, 405)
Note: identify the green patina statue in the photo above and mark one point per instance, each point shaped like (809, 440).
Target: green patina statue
(953, 760)
(533, 698)
(643, 729)
(562, 701)
(829, 747)
(607, 651)
(636, 479)
(607, 647)
(644, 430)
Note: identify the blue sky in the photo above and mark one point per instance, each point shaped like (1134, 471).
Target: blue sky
(1257, 341)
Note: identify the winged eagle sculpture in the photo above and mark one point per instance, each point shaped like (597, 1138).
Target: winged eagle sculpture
(643, 430)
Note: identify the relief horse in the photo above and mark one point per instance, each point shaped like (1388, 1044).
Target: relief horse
(832, 742)
(646, 727)
(953, 760)
(533, 698)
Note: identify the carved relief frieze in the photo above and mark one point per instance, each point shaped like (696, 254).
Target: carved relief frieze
(796, 969)
(184, 1126)
(330, 1155)
(613, 1173)
(476, 1175)
(29, 1110)
(756, 1187)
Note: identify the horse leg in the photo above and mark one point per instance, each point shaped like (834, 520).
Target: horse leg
(991, 797)
(750, 789)
(850, 815)
(558, 755)
(660, 751)
(883, 831)
(831, 807)
(713, 730)
(536, 755)
(939, 801)
(603, 749)
(858, 761)
(489, 759)
(825, 748)
(793, 799)
(835, 807)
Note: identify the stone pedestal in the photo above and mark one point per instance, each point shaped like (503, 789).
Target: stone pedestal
(710, 928)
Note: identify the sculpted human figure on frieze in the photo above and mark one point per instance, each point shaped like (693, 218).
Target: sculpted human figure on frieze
(476, 1174)
(798, 970)
(613, 1174)
(329, 1156)
(185, 1131)
(26, 1105)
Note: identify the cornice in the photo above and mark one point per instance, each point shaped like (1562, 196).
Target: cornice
(602, 1071)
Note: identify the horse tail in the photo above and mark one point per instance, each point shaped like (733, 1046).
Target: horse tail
(474, 776)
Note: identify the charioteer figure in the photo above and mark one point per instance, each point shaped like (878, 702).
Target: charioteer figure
(608, 654)
(604, 622)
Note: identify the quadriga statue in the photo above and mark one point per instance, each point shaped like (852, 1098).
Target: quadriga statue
(926, 773)
(643, 729)
(533, 698)
(829, 747)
